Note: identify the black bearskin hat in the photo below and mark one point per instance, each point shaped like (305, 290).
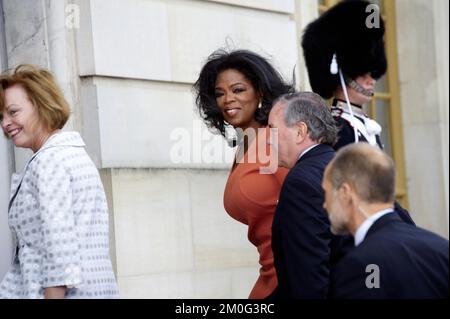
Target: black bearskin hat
(342, 30)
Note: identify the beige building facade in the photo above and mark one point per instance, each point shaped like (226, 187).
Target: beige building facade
(127, 68)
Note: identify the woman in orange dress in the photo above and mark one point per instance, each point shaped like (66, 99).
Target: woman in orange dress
(237, 89)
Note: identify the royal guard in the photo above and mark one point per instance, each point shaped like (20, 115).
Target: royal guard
(345, 55)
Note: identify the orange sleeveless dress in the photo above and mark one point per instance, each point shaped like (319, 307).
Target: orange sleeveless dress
(251, 197)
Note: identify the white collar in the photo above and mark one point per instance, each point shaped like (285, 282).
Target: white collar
(307, 150)
(357, 110)
(365, 226)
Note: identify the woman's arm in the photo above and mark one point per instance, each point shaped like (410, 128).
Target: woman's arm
(55, 292)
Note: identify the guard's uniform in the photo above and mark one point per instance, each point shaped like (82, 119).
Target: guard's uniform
(368, 130)
(339, 43)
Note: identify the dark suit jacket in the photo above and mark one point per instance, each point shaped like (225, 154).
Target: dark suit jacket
(301, 237)
(303, 246)
(412, 263)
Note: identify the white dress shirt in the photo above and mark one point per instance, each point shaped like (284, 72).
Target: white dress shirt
(307, 150)
(365, 226)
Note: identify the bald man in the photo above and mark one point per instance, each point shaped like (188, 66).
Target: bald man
(392, 259)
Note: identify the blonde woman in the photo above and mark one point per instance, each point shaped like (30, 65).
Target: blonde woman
(57, 211)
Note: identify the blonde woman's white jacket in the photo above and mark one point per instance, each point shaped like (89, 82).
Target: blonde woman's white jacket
(59, 217)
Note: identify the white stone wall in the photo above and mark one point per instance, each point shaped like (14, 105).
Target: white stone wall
(6, 245)
(422, 33)
(127, 72)
(172, 237)
(6, 163)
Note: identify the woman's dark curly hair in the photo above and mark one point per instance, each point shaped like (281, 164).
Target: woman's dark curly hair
(265, 80)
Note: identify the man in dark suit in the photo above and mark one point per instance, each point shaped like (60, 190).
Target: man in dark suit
(302, 243)
(392, 259)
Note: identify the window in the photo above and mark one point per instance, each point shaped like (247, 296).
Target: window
(324, 5)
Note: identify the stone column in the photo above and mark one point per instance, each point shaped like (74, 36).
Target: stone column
(422, 33)
(6, 168)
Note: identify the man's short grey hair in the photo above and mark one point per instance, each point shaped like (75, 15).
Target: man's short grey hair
(311, 109)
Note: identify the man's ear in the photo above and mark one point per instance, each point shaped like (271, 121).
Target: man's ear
(346, 192)
(301, 132)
